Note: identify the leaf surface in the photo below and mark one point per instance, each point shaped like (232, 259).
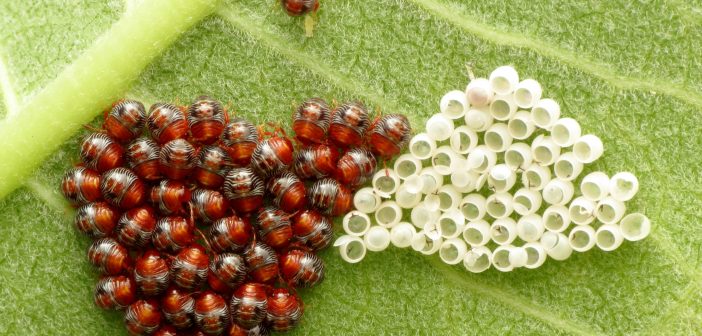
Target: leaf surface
(629, 73)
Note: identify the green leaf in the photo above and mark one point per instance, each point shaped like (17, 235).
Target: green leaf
(629, 72)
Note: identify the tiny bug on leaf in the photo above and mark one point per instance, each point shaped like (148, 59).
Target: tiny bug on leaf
(311, 121)
(288, 192)
(211, 313)
(229, 234)
(172, 234)
(142, 157)
(355, 167)
(96, 219)
(81, 185)
(239, 139)
(316, 161)
(301, 269)
(230, 268)
(189, 268)
(151, 273)
(330, 197)
(244, 190)
(166, 122)
(143, 317)
(170, 197)
(109, 256)
(115, 292)
(122, 188)
(166, 330)
(125, 121)
(285, 310)
(177, 159)
(312, 229)
(211, 167)
(299, 7)
(390, 135)
(135, 227)
(99, 152)
(349, 123)
(178, 307)
(237, 330)
(272, 155)
(249, 304)
(208, 205)
(274, 227)
(302, 7)
(262, 261)
(207, 119)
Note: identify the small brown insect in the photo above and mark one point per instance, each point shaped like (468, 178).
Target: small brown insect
(178, 307)
(170, 197)
(81, 185)
(211, 167)
(301, 269)
(189, 268)
(211, 313)
(99, 152)
(316, 161)
(143, 317)
(284, 310)
(330, 197)
(125, 121)
(272, 155)
(299, 7)
(115, 292)
(237, 330)
(311, 121)
(172, 234)
(135, 227)
(166, 122)
(288, 192)
(207, 120)
(109, 256)
(96, 219)
(274, 227)
(239, 139)
(312, 229)
(349, 123)
(244, 190)
(249, 304)
(122, 188)
(151, 273)
(355, 167)
(177, 159)
(230, 234)
(166, 330)
(208, 205)
(142, 157)
(262, 261)
(390, 135)
(229, 268)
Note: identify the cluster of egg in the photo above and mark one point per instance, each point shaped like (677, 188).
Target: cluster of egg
(206, 225)
(495, 180)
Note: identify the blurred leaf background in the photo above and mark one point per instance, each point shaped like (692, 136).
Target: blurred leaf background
(629, 71)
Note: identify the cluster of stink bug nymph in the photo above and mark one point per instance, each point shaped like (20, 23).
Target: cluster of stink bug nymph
(206, 225)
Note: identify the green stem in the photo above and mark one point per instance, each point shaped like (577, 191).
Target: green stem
(98, 77)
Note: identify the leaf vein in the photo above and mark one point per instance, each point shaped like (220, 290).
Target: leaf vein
(571, 58)
(8, 92)
(684, 298)
(513, 300)
(238, 20)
